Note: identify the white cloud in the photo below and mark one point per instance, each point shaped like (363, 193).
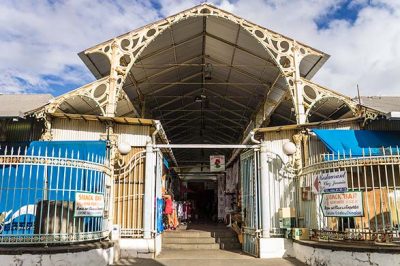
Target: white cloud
(39, 38)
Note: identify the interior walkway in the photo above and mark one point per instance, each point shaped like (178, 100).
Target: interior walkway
(204, 256)
(208, 257)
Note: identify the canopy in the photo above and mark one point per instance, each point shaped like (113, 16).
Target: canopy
(359, 142)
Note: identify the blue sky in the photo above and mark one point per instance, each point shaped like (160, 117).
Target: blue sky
(39, 40)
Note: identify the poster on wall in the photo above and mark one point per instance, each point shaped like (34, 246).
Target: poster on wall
(89, 205)
(330, 182)
(347, 204)
(217, 163)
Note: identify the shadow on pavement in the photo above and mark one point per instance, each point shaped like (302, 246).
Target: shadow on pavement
(137, 261)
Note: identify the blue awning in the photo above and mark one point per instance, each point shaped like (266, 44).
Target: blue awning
(357, 142)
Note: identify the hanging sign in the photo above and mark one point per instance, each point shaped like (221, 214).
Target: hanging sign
(217, 163)
(347, 204)
(331, 182)
(89, 204)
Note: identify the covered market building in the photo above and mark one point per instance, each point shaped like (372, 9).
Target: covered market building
(219, 114)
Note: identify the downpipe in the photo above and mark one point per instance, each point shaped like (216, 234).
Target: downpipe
(250, 136)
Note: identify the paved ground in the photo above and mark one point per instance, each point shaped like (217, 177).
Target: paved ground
(207, 258)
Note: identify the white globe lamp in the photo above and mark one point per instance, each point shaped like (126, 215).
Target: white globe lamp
(124, 148)
(289, 148)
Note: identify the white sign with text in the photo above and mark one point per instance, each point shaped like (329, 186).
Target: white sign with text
(347, 204)
(331, 182)
(89, 205)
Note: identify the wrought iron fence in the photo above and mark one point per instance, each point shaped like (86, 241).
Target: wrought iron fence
(52, 194)
(346, 196)
(128, 195)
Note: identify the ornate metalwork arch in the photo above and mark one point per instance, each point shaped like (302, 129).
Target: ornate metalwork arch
(124, 51)
(314, 93)
(97, 91)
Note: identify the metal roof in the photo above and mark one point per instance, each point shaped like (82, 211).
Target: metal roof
(205, 78)
(99, 65)
(384, 104)
(170, 75)
(16, 105)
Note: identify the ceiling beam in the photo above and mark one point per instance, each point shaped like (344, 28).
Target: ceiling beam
(227, 99)
(162, 50)
(229, 111)
(169, 85)
(231, 128)
(176, 119)
(247, 89)
(177, 98)
(185, 132)
(267, 61)
(166, 70)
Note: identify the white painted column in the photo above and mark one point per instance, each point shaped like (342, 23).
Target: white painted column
(299, 86)
(269, 247)
(149, 190)
(264, 191)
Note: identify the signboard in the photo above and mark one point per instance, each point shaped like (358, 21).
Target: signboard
(331, 182)
(347, 204)
(89, 204)
(217, 163)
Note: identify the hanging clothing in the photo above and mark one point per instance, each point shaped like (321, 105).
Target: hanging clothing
(168, 206)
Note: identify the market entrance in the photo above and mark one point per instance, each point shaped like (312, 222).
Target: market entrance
(205, 194)
(210, 78)
(209, 81)
(214, 203)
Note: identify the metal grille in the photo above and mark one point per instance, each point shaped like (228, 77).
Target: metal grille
(376, 177)
(39, 191)
(250, 201)
(128, 196)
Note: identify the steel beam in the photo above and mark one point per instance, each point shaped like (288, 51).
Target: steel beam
(162, 50)
(166, 70)
(270, 62)
(169, 85)
(205, 146)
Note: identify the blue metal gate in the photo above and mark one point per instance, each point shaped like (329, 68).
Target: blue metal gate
(250, 201)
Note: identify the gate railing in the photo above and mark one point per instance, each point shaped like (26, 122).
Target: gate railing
(51, 195)
(371, 199)
(128, 196)
(250, 201)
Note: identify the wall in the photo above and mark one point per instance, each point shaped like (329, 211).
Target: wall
(25, 129)
(319, 257)
(136, 136)
(70, 129)
(383, 124)
(96, 257)
(137, 248)
(282, 188)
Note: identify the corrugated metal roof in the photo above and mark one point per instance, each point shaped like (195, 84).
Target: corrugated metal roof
(384, 104)
(15, 105)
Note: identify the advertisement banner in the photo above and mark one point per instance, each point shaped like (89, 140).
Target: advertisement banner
(217, 163)
(331, 182)
(347, 204)
(89, 204)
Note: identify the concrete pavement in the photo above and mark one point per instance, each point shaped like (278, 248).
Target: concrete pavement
(207, 258)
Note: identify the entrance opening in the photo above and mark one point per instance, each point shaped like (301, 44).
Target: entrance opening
(204, 196)
(205, 78)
